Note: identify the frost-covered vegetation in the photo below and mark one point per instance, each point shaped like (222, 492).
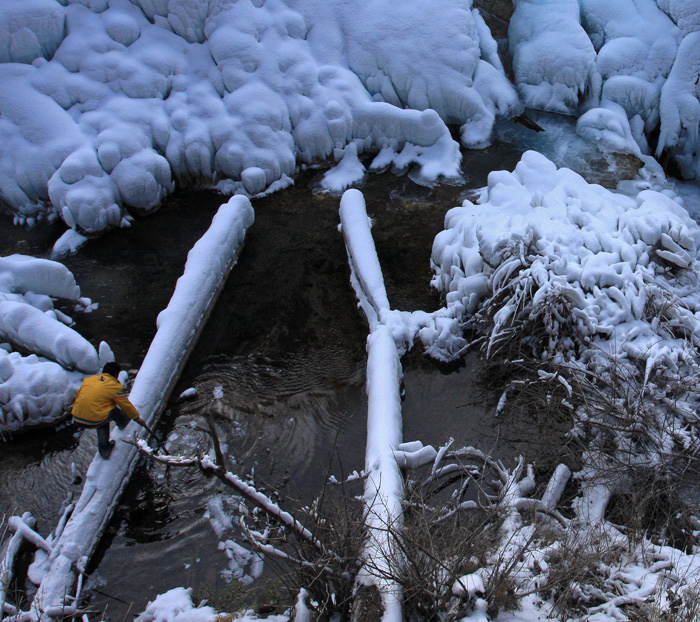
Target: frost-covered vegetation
(589, 300)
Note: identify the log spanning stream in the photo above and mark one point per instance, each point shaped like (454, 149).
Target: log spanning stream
(285, 345)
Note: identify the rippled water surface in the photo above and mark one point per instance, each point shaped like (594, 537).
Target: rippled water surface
(286, 347)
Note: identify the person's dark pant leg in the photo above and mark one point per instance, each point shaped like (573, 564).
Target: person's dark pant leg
(103, 445)
(119, 417)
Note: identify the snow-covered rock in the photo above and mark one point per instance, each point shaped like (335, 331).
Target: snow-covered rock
(37, 390)
(116, 100)
(553, 59)
(639, 54)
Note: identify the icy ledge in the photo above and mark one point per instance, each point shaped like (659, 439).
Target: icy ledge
(208, 264)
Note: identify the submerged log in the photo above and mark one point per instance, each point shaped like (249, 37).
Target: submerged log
(208, 264)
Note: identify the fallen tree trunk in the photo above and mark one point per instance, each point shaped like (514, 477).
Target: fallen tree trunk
(383, 494)
(208, 265)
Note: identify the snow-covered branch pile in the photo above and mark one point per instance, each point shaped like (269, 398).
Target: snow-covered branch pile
(106, 104)
(631, 66)
(599, 288)
(39, 388)
(603, 285)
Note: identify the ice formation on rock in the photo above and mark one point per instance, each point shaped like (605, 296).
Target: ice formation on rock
(639, 54)
(553, 59)
(106, 103)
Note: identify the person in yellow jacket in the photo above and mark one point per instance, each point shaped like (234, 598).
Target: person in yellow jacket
(102, 399)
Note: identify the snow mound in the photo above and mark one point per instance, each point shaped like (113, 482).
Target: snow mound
(34, 390)
(605, 274)
(574, 56)
(176, 606)
(553, 59)
(106, 104)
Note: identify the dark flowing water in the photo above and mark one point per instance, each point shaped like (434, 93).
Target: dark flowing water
(286, 346)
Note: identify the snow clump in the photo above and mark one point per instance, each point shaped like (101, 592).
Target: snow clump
(176, 606)
(37, 390)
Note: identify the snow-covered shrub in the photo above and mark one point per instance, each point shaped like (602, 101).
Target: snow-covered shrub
(600, 287)
(541, 246)
(119, 99)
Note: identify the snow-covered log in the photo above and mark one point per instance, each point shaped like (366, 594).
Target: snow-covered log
(208, 265)
(383, 492)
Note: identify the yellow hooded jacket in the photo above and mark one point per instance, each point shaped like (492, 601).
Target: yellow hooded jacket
(97, 397)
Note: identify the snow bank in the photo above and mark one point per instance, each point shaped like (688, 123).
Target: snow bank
(105, 104)
(34, 390)
(602, 264)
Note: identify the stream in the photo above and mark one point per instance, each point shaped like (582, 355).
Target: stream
(285, 345)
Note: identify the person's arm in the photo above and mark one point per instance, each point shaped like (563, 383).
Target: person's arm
(122, 400)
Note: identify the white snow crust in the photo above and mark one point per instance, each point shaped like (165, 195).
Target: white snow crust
(39, 388)
(105, 104)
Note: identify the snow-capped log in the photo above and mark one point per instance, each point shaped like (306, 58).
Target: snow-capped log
(207, 267)
(366, 273)
(383, 492)
(22, 274)
(30, 328)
